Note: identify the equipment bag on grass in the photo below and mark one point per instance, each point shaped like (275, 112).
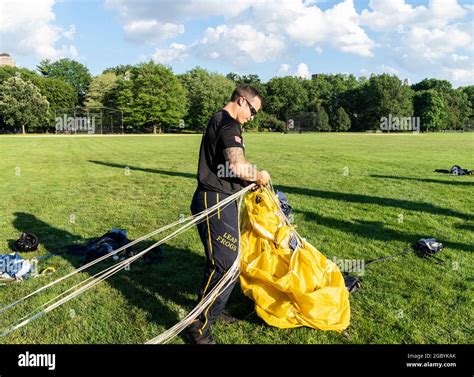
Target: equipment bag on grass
(110, 241)
(290, 281)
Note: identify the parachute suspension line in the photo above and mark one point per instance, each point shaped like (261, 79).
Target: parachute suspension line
(119, 266)
(227, 279)
(94, 262)
(149, 235)
(99, 274)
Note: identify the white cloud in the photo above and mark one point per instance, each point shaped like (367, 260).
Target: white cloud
(70, 33)
(309, 25)
(150, 31)
(238, 43)
(174, 52)
(436, 52)
(150, 21)
(27, 28)
(284, 68)
(303, 71)
(460, 75)
(426, 40)
(388, 69)
(168, 11)
(429, 39)
(389, 15)
(278, 24)
(459, 58)
(427, 45)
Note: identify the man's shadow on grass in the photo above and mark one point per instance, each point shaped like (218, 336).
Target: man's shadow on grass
(146, 170)
(175, 278)
(426, 180)
(376, 230)
(323, 194)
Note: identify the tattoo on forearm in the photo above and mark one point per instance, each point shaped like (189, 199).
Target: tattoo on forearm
(234, 155)
(242, 168)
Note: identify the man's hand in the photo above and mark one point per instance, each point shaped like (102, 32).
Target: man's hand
(263, 178)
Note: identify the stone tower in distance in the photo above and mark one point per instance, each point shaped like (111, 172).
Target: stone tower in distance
(6, 59)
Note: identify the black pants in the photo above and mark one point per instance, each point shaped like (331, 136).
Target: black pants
(220, 236)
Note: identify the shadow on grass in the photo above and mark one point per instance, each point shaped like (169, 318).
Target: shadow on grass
(146, 170)
(365, 199)
(377, 230)
(426, 180)
(341, 196)
(175, 278)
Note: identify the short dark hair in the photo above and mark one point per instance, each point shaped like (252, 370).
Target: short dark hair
(246, 91)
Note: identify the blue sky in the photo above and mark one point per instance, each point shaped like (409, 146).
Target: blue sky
(413, 39)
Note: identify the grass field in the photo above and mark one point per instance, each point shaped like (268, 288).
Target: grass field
(355, 196)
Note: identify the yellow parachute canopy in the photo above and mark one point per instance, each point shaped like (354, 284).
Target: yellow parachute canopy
(290, 288)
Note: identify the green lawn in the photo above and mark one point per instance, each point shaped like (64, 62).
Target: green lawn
(348, 192)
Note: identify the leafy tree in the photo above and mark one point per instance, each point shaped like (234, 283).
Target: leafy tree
(99, 88)
(22, 105)
(265, 121)
(70, 71)
(251, 79)
(318, 92)
(285, 95)
(150, 96)
(6, 72)
(206, 94)
(455, 101)
(439, 85)
(322, 119)
(381, 96)
(429, 106)
(342, 121)
(458, 109)
(469, 91)
(119, 70)
(330, 91)
(60, 95)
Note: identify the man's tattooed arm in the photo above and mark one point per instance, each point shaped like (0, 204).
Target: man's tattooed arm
(239, 165)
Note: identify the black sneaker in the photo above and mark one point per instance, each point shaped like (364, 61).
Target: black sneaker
(226, 317)
(195, 337)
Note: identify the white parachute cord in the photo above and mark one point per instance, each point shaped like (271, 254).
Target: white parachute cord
(93, 262)
(155, 232)
(99, 274)
(227, 279)
(119, 266)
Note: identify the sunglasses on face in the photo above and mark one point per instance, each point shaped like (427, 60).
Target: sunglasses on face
(253, 112)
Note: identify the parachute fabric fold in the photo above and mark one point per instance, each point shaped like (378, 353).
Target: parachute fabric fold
(290, 281)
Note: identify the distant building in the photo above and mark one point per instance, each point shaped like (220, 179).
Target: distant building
(6, 59)
(407, 82)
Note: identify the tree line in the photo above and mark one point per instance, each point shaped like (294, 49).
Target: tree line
(154, 99)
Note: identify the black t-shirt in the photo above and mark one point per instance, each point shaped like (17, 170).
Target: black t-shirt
(214, 173)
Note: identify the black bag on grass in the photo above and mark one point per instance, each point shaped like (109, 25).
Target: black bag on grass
(101, 246)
